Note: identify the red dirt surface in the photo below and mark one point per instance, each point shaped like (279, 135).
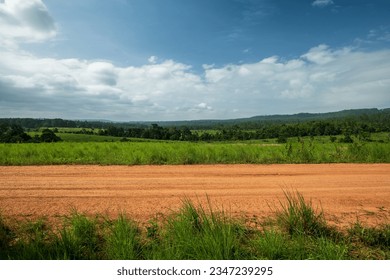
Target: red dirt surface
(346, 192)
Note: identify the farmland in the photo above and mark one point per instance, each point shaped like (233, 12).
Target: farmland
(170, 152)
(299, 194)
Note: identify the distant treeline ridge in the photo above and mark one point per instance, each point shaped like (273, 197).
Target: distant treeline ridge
(360, 125)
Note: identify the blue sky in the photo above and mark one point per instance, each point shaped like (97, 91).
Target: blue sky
(218, 32)
(192, 59)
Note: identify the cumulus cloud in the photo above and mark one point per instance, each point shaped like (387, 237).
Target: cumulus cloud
(27, 20)
(118, 92)
(322, 79)
(322, 3)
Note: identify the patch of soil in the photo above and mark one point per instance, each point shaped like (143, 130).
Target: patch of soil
(345, 192)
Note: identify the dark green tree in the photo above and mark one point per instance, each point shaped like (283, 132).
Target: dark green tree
(49, 136)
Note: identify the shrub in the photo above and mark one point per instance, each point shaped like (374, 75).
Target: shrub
(49, 136)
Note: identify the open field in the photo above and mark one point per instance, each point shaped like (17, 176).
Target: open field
(347, 192)
(161, 152)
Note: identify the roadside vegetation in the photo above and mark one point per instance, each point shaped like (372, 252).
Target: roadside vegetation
(133, 152)
(296, 231)
(357, 136)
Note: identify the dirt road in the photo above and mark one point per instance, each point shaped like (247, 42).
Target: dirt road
(346, 191)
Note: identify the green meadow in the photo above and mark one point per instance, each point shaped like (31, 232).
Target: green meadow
(85, 149)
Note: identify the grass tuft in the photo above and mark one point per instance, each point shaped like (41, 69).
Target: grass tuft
(79, 239)
(199, 233)
(123, 240)
(298, 217)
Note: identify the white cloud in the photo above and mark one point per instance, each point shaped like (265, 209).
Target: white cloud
(27, 20)
(132, 91)
(322, 3)
(380, 34)
(208, 66)
(322, 54)
(322, 79)
(153, 59)
(203, 106)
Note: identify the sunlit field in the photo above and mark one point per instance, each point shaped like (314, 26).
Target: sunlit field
(133, 152)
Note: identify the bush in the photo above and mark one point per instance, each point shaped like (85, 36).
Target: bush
(49, 136)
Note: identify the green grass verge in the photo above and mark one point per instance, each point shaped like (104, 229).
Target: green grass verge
(136, 153)
(297, 231)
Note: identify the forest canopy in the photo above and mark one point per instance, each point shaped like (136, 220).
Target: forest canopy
(360, 123)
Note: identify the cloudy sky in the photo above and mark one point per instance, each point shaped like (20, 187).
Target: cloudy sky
(129, 60)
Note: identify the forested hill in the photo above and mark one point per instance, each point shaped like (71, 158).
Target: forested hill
(376, 115)
(321, 116)
(254, 122)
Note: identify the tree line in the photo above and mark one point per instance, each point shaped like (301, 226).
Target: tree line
(15, 134)
(282, 132)
(359, 125)
(380, 117)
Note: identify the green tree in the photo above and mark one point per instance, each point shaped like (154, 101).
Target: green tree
(49, 136)
(13, 134)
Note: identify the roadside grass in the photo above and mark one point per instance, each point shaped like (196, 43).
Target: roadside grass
(297, 217)
(370, 243)
(300, 231)
(122, 239)
(160, 152)
(296, 231)
(79, 239)
(198, 233)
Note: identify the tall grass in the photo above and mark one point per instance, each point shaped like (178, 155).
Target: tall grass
(137, 153)
(6, 236)
(197, 233)
(298, 217)
(297, 231)
(301, 232)
(79, 239)
(123, 240)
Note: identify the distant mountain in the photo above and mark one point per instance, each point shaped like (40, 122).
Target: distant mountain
(300, 117)
(199, 124)
(319, 116)
(95, 120)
